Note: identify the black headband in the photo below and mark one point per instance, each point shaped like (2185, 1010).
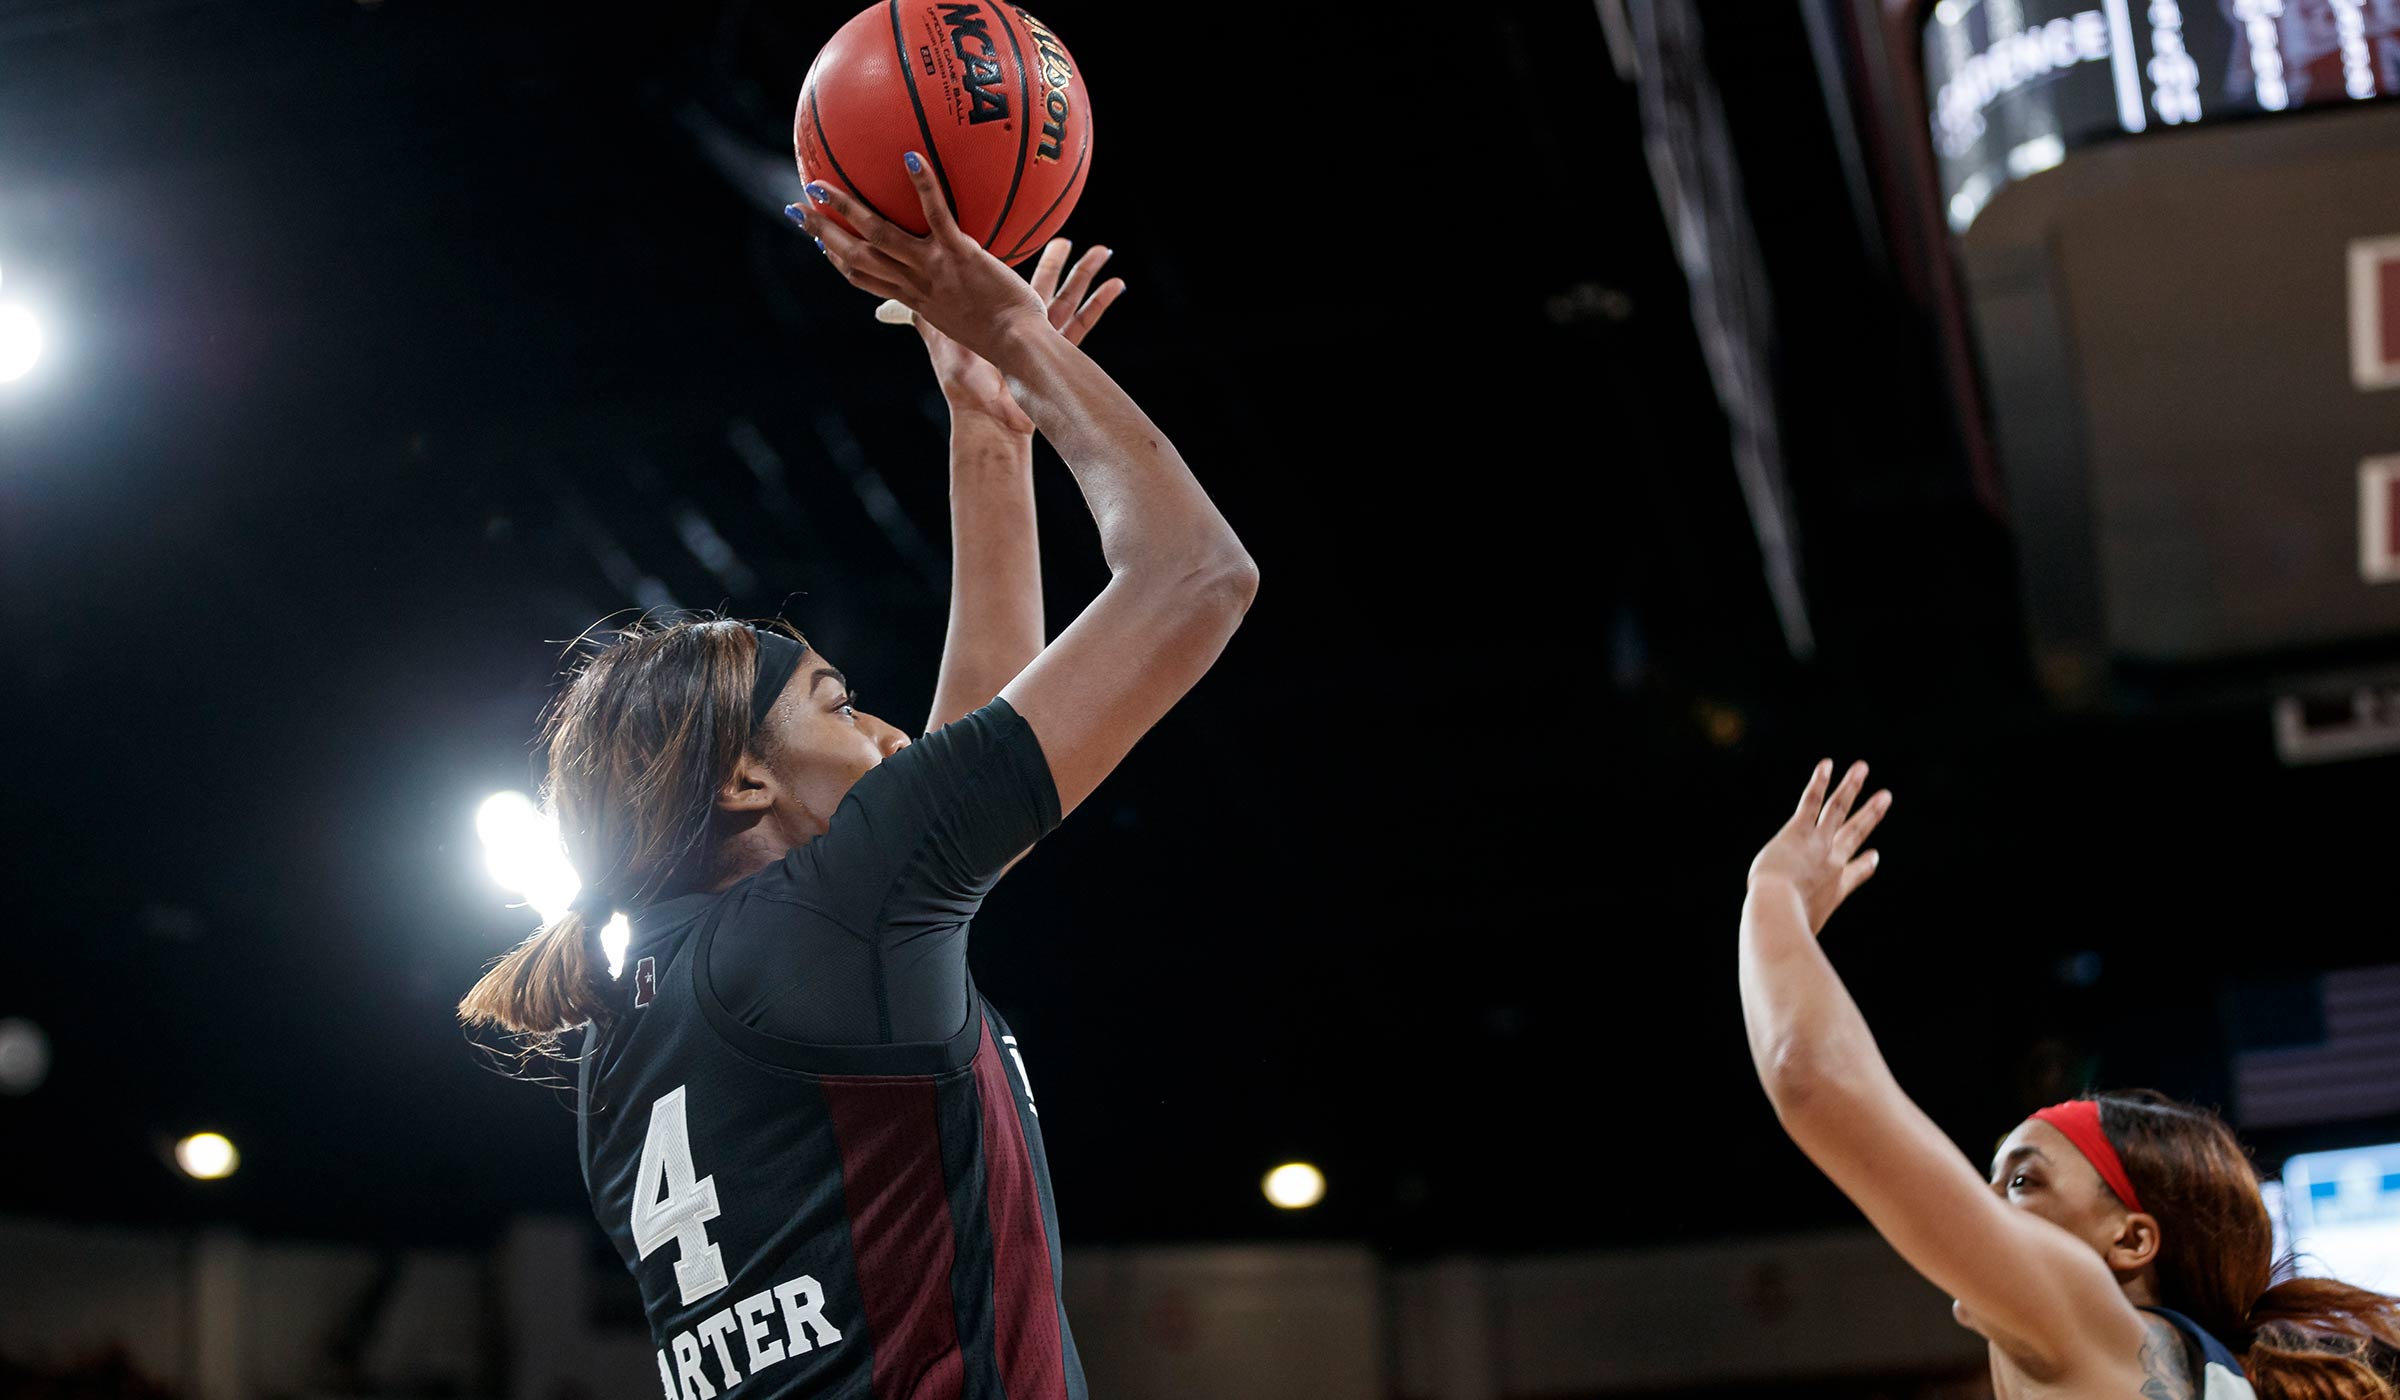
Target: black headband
(778, 657)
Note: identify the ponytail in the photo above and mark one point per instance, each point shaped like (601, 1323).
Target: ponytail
(2321, 1339)
(645, 733)
(547, 985)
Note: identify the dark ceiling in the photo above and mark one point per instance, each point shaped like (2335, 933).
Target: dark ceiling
(396, 344)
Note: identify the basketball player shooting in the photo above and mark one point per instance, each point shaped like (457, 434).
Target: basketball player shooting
(2120, 1248)
(809, 1136)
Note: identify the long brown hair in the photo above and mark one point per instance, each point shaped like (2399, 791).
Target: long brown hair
(646, 731)
(2301, 1338)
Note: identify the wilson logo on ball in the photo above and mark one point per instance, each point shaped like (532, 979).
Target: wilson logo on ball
(1056, 74)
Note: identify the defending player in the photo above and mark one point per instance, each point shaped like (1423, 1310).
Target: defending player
(2120, 1248)
(810, 1138)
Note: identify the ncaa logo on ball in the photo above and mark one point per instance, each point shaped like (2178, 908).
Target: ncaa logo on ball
(971, 41)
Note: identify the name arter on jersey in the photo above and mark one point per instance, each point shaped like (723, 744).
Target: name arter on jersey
(775, 1324)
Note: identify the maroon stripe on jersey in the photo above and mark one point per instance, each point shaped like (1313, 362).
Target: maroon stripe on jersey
(1032, 1360)
(900, 1238)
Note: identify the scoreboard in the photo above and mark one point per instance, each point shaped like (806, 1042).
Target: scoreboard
(2013, 85)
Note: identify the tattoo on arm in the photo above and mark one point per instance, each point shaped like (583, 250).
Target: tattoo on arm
(2166, 1375)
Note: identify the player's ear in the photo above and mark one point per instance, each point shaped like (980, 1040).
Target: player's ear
(2136, 1244)
(749, 788)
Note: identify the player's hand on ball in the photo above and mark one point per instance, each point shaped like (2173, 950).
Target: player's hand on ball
(972, 384)
(945, 277)
(1817, 852)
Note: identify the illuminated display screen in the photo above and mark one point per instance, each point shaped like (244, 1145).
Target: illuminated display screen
(2015, 84)
(2340, 1212)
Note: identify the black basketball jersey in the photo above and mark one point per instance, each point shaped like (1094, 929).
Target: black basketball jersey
(868, 1222)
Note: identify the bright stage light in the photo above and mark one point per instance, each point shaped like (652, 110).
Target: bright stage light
(1295, 1186)
(20, 341)
(522, 849)
(207, 1156)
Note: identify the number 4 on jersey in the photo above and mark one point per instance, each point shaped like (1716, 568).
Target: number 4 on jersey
(679, 1208)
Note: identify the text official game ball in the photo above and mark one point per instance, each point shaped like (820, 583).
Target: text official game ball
(985, 91)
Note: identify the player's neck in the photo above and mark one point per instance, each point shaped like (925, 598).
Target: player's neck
(744, 853)
(2141, 1289)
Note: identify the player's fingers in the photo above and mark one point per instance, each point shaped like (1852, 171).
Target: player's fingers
(865, 267)
(929, 195)
(1047, 271)
(843, 245)
(1857, 873)
(873, 229)
(1862, 824)
(1845, 792)
(873, 285)
(1089, 316)
(854, 260)
(1812, 797)
(1071, 294)
(896, 313)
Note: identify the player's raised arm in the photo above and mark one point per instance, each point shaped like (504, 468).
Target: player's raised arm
(2033, 1289)
(1179, 578)
(996, 626)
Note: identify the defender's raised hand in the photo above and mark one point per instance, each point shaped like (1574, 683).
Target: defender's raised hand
(1817, 852)
(946, 278)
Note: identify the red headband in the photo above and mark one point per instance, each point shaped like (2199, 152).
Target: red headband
(2079, 1119)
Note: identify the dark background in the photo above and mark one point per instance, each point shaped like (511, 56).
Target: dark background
(393, 346)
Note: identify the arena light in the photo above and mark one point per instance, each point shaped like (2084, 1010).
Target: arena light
(24, 1056)
(1294, 1186)
(20, 341)
(207, 1156)
(523, 852)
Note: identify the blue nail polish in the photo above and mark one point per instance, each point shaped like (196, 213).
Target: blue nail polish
(913, 164)
(820, 245)
(817, 193)
(798, 213)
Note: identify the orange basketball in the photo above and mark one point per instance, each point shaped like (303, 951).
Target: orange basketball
(987, 92)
